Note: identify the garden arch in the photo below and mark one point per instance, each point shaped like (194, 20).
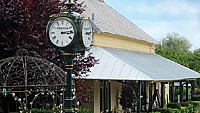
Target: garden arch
(24, 78)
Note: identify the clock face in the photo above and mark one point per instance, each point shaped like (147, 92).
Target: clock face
(61, 32)
(87, 34)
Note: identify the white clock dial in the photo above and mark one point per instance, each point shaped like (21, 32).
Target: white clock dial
(87, 34)
(61, 32)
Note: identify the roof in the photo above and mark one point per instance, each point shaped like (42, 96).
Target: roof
(109, 20)
(118, 64)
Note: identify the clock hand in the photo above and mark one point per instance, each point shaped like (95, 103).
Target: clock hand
(67, 32)
(88, 33)
(86, 28)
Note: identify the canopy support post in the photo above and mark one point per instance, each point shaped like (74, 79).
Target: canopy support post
(186, 90)
(172, 92)
(150, 97)
(181, 91)
(139, 86)
(193, 88)
(162, 94)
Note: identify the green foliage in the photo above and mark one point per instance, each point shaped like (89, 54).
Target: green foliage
(176, 48)
(174, 105)
(81, 110)
(1, 110)
(184, 107)
(181, 56)
(197, 91)
(184, 104)
(195, 97)
(195, 104)
(184, 110)
(176, 42)
(167, 110)
(127, 97)
(41, 111)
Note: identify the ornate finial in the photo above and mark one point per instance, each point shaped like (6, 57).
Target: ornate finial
(69, 5)
(22, 52)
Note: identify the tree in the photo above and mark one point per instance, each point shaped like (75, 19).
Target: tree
(175, 42)
(23, 24)
(177, 50)
(128, 98)
(197, 51)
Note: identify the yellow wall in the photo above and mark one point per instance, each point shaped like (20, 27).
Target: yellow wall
(116, 88)
(96, 93)
(122, 42)
(167, 92)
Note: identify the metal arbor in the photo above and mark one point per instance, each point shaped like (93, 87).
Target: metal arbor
(25, 74)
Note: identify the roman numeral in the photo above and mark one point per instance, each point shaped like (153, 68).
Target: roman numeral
(57, 23)
(70, 37)
(54, 37)
(62, 22)
(62, 42)
(57, 41)
(52, 32)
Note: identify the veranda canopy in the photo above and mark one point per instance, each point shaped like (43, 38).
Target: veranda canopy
(118, 64)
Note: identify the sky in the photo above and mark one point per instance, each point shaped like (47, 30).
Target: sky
(160, 17)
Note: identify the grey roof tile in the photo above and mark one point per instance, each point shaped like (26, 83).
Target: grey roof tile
(109, 20)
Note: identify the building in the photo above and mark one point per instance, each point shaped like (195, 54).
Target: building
(127, 57)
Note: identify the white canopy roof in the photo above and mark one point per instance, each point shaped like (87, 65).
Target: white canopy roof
(118, 64)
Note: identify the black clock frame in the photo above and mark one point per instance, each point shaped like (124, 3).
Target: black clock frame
(81, 37)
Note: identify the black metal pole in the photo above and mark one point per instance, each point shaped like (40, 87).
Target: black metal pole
(104, 95)
(139, 97)
(109, 95)
(181, 92)
(172, 92)
(150, 97)
(186, 90)
(68, 68)
(193, 88)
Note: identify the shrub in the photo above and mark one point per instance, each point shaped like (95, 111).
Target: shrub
(167, 110)
(185, 104)
(185, 110)
(174, 105)
(41, 111)
(195, 104)
(174, 111)
(81, 110)
(190, 108)
(197, 91)
(1, 110)
(195, 97)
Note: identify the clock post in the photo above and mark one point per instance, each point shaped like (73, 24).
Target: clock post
(68, 68)
(69, 35)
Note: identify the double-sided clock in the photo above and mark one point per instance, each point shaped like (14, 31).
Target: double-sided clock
(86, 33)
(61, 32)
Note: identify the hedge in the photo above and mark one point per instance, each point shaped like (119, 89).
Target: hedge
(167, 110)
(174, 105)
(184, 107)
(195, 98)
(81, 110)
(41, 111)
(1, 110)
